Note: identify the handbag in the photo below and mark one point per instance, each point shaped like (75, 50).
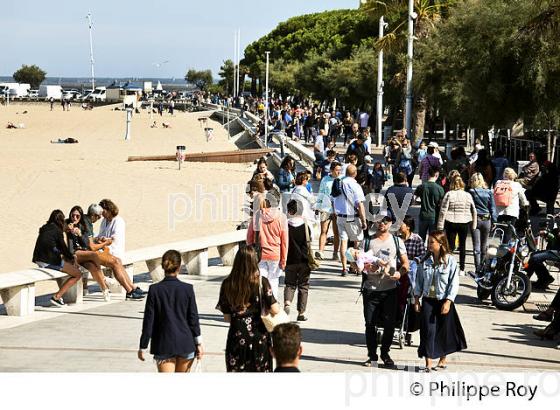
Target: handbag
(198, 366)
(257, 242)
(270, 322)
(311, 261)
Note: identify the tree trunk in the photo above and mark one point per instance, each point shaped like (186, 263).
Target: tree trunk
(260, 87)
(254, 85)
(419, 119)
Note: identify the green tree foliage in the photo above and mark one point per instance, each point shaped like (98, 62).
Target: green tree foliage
(226, 76)
(304, 48)
(483, 67)
(201, 79)
(30, 74)
(353, 81)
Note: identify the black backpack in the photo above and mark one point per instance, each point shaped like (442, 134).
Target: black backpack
(336, 189)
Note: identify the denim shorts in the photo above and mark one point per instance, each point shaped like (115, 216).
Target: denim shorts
(44, 265)
(161, 358)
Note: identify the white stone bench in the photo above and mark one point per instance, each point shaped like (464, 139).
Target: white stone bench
(194, 253)
(17, 289)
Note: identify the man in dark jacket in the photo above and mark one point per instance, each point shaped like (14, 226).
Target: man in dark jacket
(358, 148)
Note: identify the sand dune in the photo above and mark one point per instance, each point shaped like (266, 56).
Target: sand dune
(37, 176)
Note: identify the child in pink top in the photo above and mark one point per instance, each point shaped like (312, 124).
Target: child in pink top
(359, 259)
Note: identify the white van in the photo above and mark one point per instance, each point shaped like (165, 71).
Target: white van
(99, 94)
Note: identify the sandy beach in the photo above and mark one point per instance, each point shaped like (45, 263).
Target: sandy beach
(37, 176)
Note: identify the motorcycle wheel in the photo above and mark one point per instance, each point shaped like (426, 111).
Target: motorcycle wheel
(515, 296)
(482, 294)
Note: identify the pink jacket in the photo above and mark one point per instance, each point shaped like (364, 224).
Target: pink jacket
(273, 234)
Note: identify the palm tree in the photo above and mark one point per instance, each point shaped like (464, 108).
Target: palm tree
(395, 12)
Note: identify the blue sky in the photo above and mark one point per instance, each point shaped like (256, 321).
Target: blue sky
(131, 37)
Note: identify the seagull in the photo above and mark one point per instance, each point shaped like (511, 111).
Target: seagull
(158, 65)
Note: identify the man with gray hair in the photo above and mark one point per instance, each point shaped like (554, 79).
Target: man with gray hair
(348, 202)
(93, 215)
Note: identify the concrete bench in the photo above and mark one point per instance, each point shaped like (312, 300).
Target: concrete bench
(17, 289)
(194, 253)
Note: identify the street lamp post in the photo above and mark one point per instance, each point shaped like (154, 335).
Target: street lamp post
(266, 101)
(234, 63)
(380, 84)
(91, 52)
(238, 60)
(410, 54)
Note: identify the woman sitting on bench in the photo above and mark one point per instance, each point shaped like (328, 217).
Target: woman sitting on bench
(78, 242)
(51, 252)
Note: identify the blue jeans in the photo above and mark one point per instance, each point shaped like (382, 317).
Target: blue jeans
(480, 240)
(426, 226)
(536, 264)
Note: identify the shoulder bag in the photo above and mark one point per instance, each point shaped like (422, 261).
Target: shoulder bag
(257, 242)
(270, 322)
(311, 261)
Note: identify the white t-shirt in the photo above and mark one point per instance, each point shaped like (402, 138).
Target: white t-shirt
(518, 199)
(385, 250)
(116, 230)
(307, 200)
(320, 143)
(345, 204)
(364, 119)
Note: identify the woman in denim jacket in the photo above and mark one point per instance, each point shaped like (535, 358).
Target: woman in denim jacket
(437, 283)
(286, 177)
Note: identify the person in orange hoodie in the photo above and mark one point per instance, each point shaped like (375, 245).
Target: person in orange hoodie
(269, 228)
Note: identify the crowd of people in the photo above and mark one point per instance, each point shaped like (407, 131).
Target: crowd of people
(373, 236)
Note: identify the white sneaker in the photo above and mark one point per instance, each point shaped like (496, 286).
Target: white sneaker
(462, 273)
(110, 281)
(106, 295)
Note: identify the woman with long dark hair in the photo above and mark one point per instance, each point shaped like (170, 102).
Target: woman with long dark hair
(244, 295)
(78, 242)
(51, 252)
(437, 283)
(171, 321)
(286, 176)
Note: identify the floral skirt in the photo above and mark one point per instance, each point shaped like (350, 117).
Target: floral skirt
(248, 345)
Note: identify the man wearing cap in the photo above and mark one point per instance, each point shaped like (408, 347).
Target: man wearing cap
(379, 289)
(350, 213)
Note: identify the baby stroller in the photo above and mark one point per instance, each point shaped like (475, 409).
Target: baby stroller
(407, 318)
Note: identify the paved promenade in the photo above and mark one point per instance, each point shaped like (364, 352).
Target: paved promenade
(103, 337)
